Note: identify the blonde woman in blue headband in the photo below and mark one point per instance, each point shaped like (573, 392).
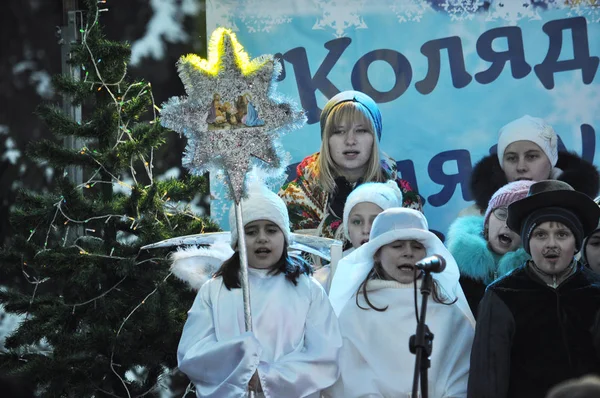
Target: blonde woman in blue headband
(350, 154)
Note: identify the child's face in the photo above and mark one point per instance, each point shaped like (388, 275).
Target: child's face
(592, 252)
(398, 259)
(360, 221)
(525, 160)
(501, 239)
(350, 146)
(552, 247)
(264, 243)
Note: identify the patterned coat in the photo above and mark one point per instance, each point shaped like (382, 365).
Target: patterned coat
(308, 203)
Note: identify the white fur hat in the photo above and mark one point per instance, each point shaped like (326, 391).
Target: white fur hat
(385, 195)
(391, 225)
(261, 204)
(528, 128)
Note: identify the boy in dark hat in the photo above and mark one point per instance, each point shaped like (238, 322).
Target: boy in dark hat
(540, 324)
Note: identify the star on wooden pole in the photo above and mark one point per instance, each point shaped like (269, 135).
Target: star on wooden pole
(232, 113)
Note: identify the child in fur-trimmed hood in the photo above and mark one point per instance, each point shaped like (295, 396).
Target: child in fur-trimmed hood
(484, 247)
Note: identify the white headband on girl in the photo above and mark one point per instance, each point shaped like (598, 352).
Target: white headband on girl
(528, 128)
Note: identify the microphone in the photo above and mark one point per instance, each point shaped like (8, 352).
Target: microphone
(435, 263)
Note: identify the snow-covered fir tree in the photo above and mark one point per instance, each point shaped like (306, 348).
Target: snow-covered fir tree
(99, 316)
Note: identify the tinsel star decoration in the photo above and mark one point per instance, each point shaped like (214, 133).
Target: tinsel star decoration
(232, 115)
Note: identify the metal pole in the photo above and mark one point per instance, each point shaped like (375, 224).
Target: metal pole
(243, 266)
(243, 271)
(422, 343)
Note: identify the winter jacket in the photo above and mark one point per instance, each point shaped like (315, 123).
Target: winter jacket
(487, 177)
(529, 336)
(309, 206)
(478, 264)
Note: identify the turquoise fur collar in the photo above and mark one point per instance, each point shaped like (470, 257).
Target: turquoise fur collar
(470, 249)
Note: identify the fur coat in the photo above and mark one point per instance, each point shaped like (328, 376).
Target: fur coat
(530, 337)
(487, 177)
(479, 266)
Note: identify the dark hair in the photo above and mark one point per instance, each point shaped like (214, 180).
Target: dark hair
(378, 273)
(291, 266)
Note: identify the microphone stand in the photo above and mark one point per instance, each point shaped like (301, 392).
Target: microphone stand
(421, 344)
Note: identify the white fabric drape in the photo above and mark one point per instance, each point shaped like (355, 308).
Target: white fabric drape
(375, 360)
(294, 344)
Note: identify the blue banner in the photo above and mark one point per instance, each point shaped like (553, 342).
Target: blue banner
(446, 74)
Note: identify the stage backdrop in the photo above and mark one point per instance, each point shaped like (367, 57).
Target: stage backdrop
(446, 74)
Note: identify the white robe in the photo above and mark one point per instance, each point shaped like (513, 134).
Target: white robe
(294, 344)
(375, 360)
(323, 274)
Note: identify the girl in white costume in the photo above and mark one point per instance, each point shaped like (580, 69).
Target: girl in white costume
(362, 206)
(293, 348)
(373, 294)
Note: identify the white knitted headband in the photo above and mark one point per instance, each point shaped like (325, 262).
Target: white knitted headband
(532, 129)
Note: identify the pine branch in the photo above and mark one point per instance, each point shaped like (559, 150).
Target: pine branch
(57, 156)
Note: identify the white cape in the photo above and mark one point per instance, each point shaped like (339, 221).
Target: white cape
(375, 360)
(323, 275)
(294, 344)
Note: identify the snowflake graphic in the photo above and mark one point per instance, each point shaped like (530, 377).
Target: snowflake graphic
(262, 16)
(219, 203)
(341, 15)
(409, 10)
(512, 11)
(263, 24)
(460, 10)
(222, 213)
(574, 102)
(222, 14)
(590, 9)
